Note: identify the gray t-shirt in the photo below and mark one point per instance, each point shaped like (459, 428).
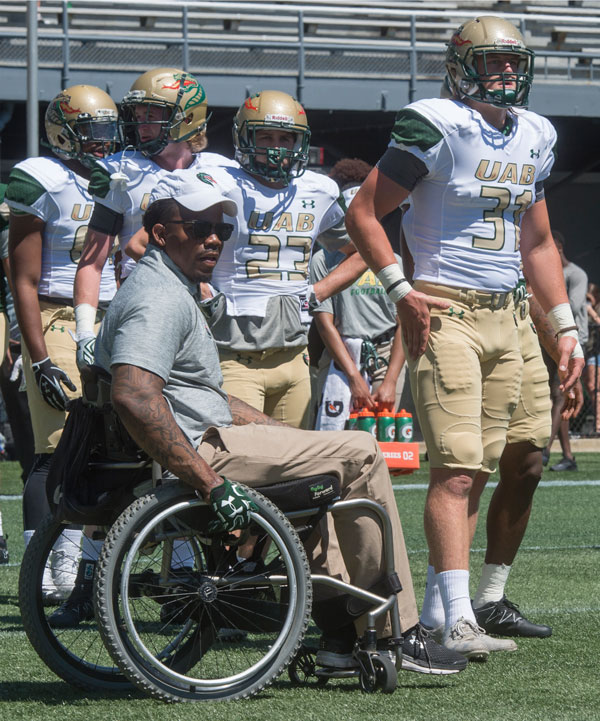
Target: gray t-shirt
(576, 281)
(363, 310)
(154, 322)
(280, 328)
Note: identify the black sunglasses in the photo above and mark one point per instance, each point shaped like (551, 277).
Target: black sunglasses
(203, 228)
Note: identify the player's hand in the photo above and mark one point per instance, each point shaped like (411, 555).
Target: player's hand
(573, 402)
(85, 350)
(231, 506)
(569, 369)
(385, 396)
(48, 378)
(413, 312)
(361, 396)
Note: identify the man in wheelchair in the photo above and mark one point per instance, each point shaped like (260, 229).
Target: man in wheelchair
(166, 388)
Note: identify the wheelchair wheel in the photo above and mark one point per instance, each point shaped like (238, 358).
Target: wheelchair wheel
(217, 628)
(385, 676)
(77, 655)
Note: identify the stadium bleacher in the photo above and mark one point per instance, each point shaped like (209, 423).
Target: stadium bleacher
(546, 24)
(400, 43)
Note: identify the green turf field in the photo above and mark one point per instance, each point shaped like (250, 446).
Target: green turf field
(556, 580)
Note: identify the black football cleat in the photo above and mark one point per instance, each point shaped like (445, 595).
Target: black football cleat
(504, 619)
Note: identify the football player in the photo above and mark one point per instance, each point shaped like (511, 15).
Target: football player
(164, 127)
(474, 166)
(263, 271)
(520, 468)
(50, 207)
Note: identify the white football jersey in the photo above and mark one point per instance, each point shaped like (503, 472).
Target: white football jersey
(129, 194)
(275, 230)
(46, 188)
(463, 224)
(349, 194)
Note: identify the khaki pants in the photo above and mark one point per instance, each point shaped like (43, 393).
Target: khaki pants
(350, 548)
(275, 382)
(47, 422)
(4, 335)
(466, 385)
(532, 420)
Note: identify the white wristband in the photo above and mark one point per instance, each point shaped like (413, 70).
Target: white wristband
(85, 319)
(577, 351)
(561, 316)
(392, 279)
(313, 301)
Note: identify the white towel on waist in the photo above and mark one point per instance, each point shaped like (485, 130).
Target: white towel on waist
(335, 402)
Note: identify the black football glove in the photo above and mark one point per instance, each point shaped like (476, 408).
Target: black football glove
(48, 378)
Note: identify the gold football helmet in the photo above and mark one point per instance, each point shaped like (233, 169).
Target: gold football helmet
(181, 101)
(271, 109)
(467, 57)
(82, 124)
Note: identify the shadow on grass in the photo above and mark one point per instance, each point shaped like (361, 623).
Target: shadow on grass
(56, 693)
(352, 685)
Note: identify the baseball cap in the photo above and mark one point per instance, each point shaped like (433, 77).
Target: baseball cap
(194, 190)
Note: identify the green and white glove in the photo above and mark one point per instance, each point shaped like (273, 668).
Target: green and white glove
(85, 351)
(231, 506)
(85, 337)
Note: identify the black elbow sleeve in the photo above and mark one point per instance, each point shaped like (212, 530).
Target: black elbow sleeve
(105, 220)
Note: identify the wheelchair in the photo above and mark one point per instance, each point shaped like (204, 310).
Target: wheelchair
(187, 616)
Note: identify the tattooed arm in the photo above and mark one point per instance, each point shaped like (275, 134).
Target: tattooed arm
(573, 399)
(137, 398)
(243, 414)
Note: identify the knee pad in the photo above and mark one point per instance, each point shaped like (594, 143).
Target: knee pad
(462, 442)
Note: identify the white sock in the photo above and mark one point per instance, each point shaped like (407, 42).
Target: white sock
(454, 587)
(432, 613)
(91, 549)
(69, 542)
(492, 583)
(183, 554)
(27, 535)
(1, 529)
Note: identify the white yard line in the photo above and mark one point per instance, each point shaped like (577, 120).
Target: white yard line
(586, 547)
(542, 484)
(419, 487)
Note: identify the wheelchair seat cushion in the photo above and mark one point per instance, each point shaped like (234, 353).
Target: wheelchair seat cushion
(311, 492)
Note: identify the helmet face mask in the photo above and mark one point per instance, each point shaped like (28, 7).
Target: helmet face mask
(171, 100)
(277, 111)
(82, 124)
(472, 63)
